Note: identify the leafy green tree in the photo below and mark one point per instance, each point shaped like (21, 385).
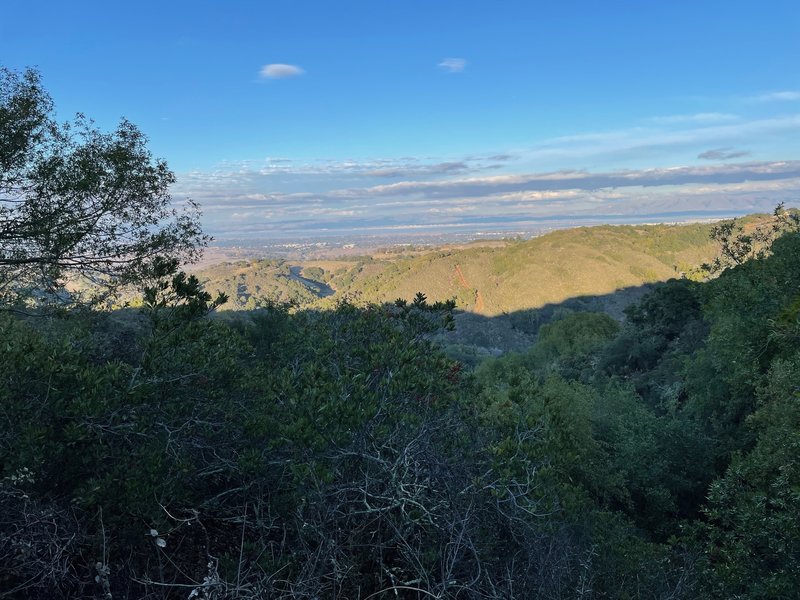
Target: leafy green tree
(754, 510)
(569, 344)
(80, 205)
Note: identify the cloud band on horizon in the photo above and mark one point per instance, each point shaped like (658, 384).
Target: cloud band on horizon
(473, 202)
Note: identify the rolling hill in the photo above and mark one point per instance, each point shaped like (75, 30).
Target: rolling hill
(504, 291)
(545, 270)
(486, 280)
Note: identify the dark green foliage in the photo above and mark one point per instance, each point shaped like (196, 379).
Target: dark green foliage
(572, 338)
(339, 449)
(693, 413)
(754, 510)
(666, 326)
(202, 426)
(175, 293)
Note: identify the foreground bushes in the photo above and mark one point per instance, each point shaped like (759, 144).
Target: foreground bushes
(340, 455)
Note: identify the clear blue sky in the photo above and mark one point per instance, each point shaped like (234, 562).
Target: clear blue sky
(375, 93)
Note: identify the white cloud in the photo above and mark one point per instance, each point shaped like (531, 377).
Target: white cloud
(476, 187)
(785, 96)
(710, 117)
(528, 201)
(244, 196)
(632, 142)
(453, 65)
(726, 153)
(280, 71)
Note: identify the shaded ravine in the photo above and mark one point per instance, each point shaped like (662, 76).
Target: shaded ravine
(321, 289)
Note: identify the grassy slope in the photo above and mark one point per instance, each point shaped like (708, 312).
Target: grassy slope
(256, 281)
(548, 269)
(502, 288)
(487, 280)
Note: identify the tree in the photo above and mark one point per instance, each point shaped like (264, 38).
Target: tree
(739, 244)
(753, 511)
(78, 205)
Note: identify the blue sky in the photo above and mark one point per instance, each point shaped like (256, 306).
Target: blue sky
(291, 117)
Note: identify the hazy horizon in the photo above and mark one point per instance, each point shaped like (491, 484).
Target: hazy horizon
(435, 235)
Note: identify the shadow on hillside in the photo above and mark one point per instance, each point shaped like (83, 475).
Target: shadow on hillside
(477, 337)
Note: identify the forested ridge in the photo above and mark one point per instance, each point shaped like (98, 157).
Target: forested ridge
(156, 452)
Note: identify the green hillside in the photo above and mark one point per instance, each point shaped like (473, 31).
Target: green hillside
(255, 284)
(544, 270)
(504, 291)
(487, 280)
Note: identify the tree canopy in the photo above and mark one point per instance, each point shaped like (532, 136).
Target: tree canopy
(78, 204)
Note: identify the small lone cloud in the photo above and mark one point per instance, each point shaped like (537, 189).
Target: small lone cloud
(786, 96)
(280, 71)
(722, 154)
(453, 65)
